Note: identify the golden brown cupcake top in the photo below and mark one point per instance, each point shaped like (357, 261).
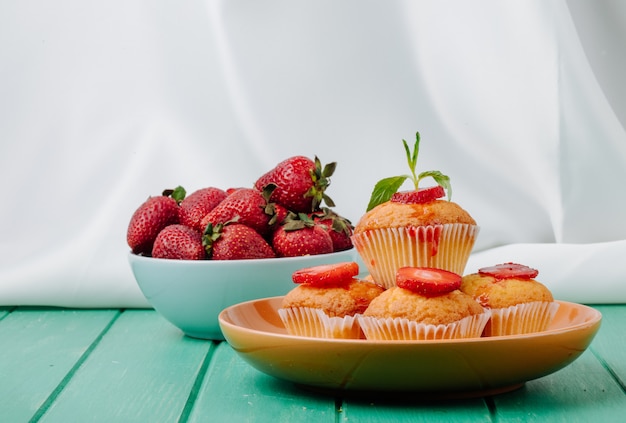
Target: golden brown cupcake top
(336, 301)
(392, 215)
(500, 293)
(442, 309)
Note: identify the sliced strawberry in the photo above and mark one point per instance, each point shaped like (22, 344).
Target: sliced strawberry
(427, 281)
(508, 271)
(423, 195)
(327, 274)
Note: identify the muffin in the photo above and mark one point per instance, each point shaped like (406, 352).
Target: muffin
(401, 233)
(519, 304)
(327, 302)
(413, 228)
(426, 304)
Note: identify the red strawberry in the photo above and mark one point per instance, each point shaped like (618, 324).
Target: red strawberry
(235, 241)
(301, 237)
(232, 189)
(423, 195)
(300, 183)
(150, 218)
(339, 228)
(327, 274)
(279, 214)
(178, 242)
(246, 205)
(509, 270)
(198, 204)
(427, 281)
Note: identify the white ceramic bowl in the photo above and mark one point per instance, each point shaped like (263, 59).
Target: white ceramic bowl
(191, 294)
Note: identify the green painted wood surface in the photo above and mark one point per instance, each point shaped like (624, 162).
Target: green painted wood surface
(610, 343)
(132, 366)
(582, 392)
(38, 349)
(233, 391)
(415, 410)
(142, 371)
(4, 311)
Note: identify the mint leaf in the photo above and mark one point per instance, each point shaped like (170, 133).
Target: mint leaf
(411, 158)
(440, 178)
(384, 189)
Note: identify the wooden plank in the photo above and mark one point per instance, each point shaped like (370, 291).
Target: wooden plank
(582, 392)
(233, 391)
(4, 311)
(39, 347)
(143, 369)
(417, 410)
(610, 342)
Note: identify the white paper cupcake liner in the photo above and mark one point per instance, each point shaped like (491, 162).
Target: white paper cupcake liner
(394, 329)
(446, 247)
(313, 322)
(521, 318)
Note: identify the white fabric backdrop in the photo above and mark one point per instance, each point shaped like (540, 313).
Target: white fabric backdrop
(522, 103)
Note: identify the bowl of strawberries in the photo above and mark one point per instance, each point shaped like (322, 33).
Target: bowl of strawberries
(195, 254)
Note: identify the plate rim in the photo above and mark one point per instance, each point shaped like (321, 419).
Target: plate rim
(597, 318)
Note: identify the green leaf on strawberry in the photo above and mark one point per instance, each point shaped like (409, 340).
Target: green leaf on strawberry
(385, 188)
(320, 176)
(177, 193)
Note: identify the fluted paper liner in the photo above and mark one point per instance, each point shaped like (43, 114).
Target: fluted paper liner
(394, 329)
(386, 250)
(521, 318)
(313, 322)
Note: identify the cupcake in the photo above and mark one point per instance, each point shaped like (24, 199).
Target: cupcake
(327, 301)
(519, 304)
(426, 304)
(413, 228)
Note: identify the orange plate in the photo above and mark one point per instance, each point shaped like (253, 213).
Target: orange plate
(448, 368)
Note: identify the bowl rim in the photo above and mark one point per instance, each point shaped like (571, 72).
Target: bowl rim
(139, 257)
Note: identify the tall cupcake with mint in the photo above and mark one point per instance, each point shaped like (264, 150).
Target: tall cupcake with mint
(420, 227)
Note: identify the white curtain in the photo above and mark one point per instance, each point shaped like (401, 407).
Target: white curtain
(522, 103)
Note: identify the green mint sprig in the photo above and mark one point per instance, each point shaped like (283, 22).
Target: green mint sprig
(385, 188)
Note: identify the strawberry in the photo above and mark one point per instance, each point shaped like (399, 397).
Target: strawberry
(198, 204)
(508, 271)
(386, 188)
(248, 206)
(232, 189)
(427, 281)
(422, 195)
(279, 214)
(301, 236)
(339, 228)
(300, 183)
(234, 241)
(178, 242)
(327, 274)
(150, 218)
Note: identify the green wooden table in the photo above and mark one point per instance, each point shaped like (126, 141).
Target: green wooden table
(68, 365)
